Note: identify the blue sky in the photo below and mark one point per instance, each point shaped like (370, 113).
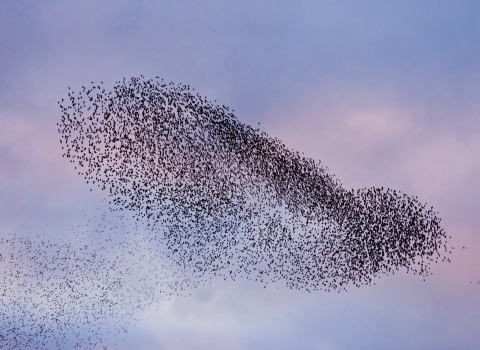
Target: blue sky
(384, 93)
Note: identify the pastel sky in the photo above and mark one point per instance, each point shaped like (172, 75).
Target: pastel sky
(383, 93)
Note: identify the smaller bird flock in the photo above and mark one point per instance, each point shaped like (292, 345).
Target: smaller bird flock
(84, 289)
(205, 196)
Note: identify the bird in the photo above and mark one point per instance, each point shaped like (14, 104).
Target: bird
(194, 195)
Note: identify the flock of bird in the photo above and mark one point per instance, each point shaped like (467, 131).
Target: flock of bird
(83, 289)
(196, 194)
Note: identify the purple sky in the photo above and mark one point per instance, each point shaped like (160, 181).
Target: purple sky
(385, 95)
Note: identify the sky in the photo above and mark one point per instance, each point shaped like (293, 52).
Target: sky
(383, 93)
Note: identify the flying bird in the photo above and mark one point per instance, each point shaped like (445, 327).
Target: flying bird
(195, 194)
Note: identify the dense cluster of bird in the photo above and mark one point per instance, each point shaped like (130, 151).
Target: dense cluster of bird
(227, 198)
(216, 198)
